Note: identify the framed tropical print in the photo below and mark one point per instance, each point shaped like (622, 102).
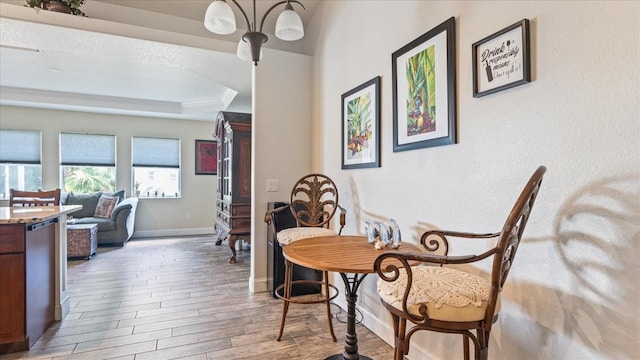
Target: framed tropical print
(361, 126)
(424, 90)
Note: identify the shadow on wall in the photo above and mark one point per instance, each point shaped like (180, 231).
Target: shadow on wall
(359, 213)
(597, 237)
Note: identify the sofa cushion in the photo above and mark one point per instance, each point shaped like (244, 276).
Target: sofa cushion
(105, 206)
(103, 224)
(89, 203)
(63, 197)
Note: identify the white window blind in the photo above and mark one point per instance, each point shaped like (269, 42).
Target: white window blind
(155, 152)
(20, 147)
(87, 149)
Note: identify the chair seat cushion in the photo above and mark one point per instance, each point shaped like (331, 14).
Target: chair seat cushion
(290, 235)
(449, 294)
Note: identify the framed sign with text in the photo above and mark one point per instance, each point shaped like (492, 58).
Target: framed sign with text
(502, 60)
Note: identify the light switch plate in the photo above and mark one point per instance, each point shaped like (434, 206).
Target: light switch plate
(272, 185)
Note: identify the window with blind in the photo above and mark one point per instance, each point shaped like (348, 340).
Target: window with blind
(155, 167)
(88, 162)
(20, 161)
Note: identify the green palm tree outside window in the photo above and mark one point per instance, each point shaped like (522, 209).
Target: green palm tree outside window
(89, 179)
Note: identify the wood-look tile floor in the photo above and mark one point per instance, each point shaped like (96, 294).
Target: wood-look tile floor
(178, 298)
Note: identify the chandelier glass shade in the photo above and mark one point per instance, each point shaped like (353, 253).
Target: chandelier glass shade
(220, 19)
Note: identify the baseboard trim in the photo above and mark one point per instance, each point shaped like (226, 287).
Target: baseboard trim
(173, 232)
(258, 285)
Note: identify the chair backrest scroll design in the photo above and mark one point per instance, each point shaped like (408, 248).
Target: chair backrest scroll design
(314, 200)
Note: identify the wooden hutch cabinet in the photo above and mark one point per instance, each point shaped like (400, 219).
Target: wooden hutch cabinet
(233, 197)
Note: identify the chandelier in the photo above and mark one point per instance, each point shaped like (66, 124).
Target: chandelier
(220, 19)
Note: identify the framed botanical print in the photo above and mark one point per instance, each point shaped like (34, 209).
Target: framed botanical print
(424, 90)
(361, 126)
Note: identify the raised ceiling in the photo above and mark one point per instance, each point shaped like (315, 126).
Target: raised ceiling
(147, 58)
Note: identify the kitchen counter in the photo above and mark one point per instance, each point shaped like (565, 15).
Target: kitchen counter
(26, 215)
(33, 269)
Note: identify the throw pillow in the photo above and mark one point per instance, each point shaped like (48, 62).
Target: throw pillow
(105, 206)
(119, 194)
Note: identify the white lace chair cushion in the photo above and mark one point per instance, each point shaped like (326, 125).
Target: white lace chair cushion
(290, 235)
(449, 294)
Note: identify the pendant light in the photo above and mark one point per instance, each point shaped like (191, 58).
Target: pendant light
(220, 19)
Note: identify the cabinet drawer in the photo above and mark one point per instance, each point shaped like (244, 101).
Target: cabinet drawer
(240, 210)
(241, 224)
(11, 239)
(12, 299)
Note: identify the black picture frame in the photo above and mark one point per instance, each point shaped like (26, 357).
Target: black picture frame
(428, 116)
(502, 60)
(361, 126)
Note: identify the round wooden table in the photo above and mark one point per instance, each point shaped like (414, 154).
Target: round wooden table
(353, 258)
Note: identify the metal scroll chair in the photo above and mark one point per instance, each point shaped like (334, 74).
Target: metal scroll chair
(314, 202)
(34, 198)
(447, 300)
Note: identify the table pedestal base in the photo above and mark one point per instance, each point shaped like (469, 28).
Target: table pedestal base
(341, 357)
(351, 284)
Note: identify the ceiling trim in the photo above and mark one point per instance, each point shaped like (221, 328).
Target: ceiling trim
(108, 104)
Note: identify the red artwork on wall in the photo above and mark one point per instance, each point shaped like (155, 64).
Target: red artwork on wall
(206, 157)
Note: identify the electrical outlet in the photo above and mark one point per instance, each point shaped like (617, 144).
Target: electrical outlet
(272, 185)
(189, 216)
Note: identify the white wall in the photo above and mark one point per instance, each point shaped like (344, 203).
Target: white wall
(282, 137)
(573, 291)
(193, 213)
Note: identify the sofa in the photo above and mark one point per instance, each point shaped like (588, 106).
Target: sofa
(115, 222)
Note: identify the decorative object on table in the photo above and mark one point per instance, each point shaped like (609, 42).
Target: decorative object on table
(396, 236)
(371, 231)
(445, 299)
(220, 19)
(424, 90)
(361, 126)
(381, 235)
(63, 6)
(206, 157)
(385, 232)
(502, 60)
